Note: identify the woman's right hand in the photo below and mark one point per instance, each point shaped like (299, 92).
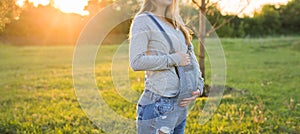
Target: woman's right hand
(184, 58)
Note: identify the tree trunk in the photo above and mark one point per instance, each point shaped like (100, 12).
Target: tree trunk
(201, 43)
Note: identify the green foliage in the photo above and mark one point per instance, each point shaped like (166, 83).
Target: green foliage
(37, 93)
(289, 16)
(271, 20)
(44, 25)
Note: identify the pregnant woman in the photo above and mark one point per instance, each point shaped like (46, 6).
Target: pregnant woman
(160, 45)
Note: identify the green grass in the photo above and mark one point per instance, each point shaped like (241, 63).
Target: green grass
(37, 93)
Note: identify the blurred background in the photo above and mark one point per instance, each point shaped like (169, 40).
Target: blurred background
(59, 22)
(260, 38)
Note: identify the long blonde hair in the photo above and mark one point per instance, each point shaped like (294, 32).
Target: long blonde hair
(172, 15)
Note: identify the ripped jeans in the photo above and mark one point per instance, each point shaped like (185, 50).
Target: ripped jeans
(160, 115)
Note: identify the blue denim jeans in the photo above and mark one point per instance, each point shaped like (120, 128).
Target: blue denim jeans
(160, 114)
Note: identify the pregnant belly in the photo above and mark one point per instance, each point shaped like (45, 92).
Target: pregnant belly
(164, 82)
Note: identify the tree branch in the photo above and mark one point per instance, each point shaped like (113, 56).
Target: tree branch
(191, 20)
(216, 22)
(197, 4)
(195, 31)
(212, 4)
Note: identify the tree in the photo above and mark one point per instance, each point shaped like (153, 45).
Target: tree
(201, 33)
(94, 6)
(8, 11)
(268, 19)
(290, 17)
(44, 25)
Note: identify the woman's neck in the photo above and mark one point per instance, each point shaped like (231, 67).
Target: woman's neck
(160, 11)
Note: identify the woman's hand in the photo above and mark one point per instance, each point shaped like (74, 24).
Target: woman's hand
(186, 101)
(184, 59)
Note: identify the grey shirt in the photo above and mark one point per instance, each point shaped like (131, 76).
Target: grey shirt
(149, 52)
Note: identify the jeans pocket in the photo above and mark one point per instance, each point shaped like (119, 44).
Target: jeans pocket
(164, 106)
(145, 112)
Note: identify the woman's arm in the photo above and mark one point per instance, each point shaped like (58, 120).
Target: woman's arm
(139, 38)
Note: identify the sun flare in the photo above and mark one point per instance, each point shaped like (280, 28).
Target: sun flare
(66, 6)
(72, 6)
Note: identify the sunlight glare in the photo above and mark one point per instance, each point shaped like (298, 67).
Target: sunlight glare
(72, 6)
(35, 2)
(66, 6)
(227, 6)
(234, 6)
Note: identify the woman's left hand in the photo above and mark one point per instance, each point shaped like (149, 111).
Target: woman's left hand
(187, 101)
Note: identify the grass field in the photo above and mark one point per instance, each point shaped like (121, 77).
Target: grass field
(37, 93)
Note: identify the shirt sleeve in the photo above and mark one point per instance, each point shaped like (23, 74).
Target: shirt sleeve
(139, 37)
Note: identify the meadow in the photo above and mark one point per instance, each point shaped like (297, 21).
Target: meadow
(263, 95)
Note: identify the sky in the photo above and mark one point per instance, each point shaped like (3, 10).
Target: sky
(234, 6)
(66, 6)
(227, 6)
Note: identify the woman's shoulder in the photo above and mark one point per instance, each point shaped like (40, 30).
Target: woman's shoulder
(142, 18)
(140, 24)
(141, 21)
